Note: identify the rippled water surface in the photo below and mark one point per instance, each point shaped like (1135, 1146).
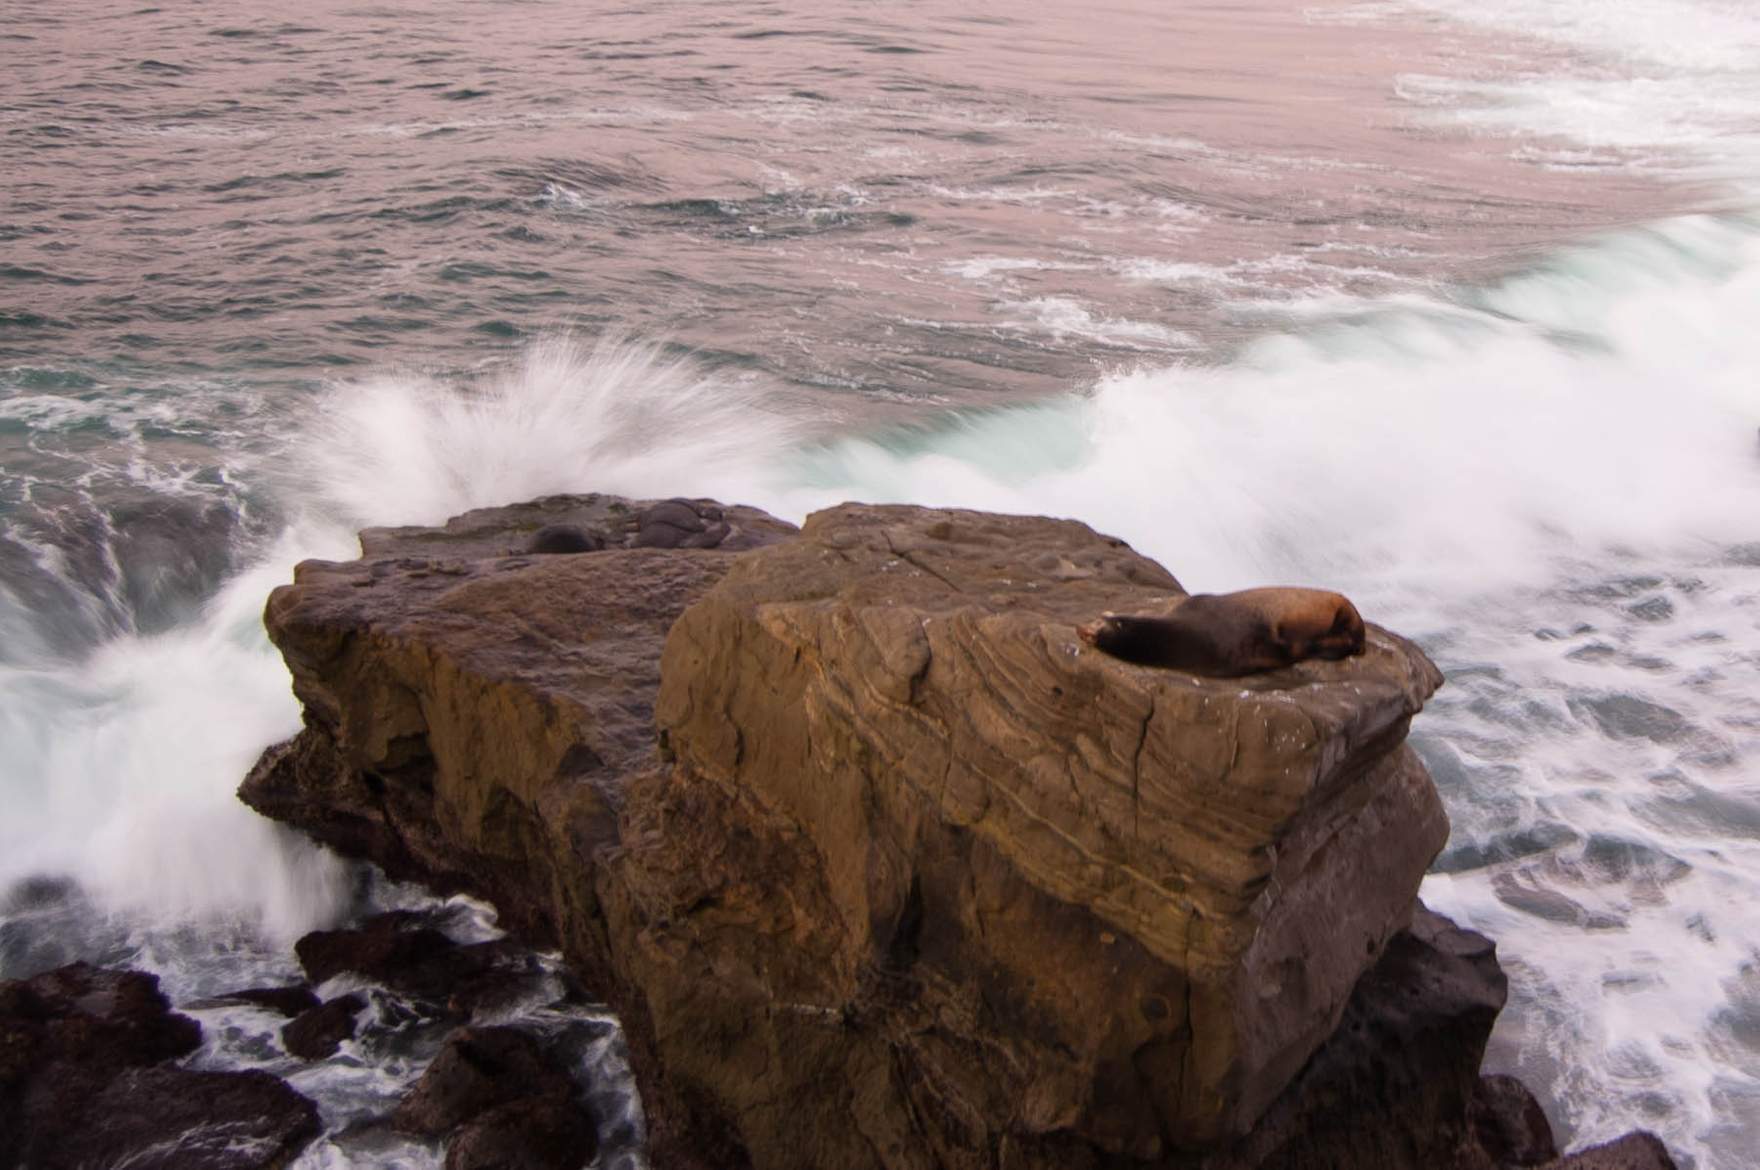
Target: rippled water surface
(1445, 304)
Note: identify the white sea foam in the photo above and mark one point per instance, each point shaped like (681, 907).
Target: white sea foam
(619, 417)
(1663, 83)
(990, 267)
(120, 771)
(121, 766)
(1064, 318)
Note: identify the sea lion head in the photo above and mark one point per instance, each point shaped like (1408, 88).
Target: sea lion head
(1324, 625)
(553, 539)
(1142, 640)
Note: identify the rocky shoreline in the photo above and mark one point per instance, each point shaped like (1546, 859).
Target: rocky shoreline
(879, 865)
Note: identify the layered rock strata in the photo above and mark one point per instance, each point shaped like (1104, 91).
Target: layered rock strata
(882, 866)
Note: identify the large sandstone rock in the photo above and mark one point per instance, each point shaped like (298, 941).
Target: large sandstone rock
(910, 877)
(469, 705)
(1143, 896)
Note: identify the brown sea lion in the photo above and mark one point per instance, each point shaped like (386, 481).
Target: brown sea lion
(1228, 634)
(565, 538)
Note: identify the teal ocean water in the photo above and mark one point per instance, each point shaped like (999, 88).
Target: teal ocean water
(1446, 305)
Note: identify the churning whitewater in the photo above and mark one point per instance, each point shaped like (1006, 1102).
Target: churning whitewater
(1450, 345)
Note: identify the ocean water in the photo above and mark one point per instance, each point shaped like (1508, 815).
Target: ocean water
(1448, 305)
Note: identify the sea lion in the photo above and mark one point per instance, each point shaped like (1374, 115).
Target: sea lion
(1229, 634)
(680, 524)
(565, 538)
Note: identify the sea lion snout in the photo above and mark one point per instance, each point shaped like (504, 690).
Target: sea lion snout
(1346, 637)
(1090, 632)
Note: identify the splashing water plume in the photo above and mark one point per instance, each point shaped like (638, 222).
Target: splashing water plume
(120, 771)
(619, 417)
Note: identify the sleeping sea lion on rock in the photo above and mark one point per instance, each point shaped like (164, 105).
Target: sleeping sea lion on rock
(1228, 634)
(555, 539)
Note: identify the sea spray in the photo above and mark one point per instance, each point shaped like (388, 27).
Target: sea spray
(619, 416)
(121, 768)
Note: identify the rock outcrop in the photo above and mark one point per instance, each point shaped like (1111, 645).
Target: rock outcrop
(883, 867)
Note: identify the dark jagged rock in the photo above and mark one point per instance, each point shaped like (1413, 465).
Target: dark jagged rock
(286, 1001)
(910, 877)
(318, 1032)
(400, 951)
(83, 1083)
(543, 1133)
(1406, 1053)
(507, 1103)
(392, 948)
(1509, 1123)
(82, 1014)
(477, 1070)
(174, 1119)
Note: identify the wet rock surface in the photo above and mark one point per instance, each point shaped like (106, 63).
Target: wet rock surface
(166, 1118)
(879, 864)
(1635, 1151)
(319, 1031)
(477, 1070)
(541, 1133)
(398, 949)
(84, 1081)
(1509, 1123)
(583, 523)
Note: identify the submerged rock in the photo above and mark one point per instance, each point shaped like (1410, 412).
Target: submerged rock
(1510, 1125)
(287, 1001)
(1635, 1151)
(319, 1031)
(881, 866)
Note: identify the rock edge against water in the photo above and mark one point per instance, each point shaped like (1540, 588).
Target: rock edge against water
(881, 866)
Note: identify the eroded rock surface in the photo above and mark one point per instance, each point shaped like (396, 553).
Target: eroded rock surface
(910, 877)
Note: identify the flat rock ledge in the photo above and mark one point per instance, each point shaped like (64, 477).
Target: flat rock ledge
(882, 866)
